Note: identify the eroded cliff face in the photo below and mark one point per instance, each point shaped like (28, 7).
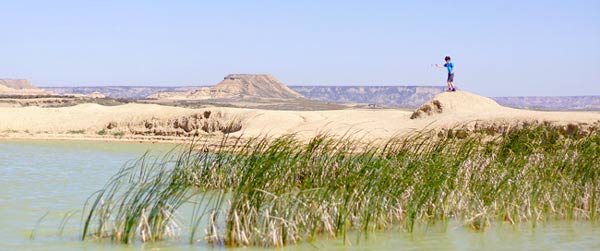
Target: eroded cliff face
(582, 103)
(237, 86)
(201, 123)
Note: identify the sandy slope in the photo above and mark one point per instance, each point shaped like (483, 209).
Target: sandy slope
(458, 108)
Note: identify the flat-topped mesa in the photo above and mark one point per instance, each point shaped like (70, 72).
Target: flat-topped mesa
(237, 86)
(244, 76)
(255, 85)
(18, 87)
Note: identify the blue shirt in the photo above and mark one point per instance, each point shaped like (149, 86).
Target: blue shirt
(449, 65)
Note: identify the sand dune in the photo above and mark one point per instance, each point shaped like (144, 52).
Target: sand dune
(455, 109)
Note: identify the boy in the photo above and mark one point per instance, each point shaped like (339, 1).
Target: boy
(450, 66)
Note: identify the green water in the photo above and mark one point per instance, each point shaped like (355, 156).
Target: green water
(45, 181)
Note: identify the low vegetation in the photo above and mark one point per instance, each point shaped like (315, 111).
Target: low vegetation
(274, 192)
(118, 134)
(76, 131)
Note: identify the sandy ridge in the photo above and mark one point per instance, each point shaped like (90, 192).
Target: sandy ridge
(459, 108)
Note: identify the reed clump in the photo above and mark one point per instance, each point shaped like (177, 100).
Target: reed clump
(274, 192)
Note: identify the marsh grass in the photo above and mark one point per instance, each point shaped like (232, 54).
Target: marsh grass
(274, 192)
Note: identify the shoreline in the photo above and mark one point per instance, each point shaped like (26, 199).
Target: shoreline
(90, 138)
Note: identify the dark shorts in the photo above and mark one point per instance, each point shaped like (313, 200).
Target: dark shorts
(451, 77)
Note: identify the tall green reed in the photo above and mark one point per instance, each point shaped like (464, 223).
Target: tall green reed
(274, 192)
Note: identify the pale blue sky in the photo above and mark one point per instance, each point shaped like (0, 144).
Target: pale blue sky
(500, 48)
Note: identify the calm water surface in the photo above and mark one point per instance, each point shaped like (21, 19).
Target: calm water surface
(48, 181)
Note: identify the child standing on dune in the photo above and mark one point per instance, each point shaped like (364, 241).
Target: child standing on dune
(450, 66)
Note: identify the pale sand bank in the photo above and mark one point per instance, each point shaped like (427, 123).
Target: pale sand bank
(87, 120)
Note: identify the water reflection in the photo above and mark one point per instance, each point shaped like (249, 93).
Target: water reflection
(56, 177)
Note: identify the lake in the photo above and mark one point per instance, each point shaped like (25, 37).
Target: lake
(43, 183)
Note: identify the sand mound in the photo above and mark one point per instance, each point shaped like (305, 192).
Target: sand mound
(456, 102)
(237, 86)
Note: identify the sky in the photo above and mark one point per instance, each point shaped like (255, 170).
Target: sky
(499, 48)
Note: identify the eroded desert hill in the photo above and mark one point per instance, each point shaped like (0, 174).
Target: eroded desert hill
(236, 86)
(19, 87)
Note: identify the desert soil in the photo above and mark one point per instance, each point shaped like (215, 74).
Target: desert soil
(154, 123)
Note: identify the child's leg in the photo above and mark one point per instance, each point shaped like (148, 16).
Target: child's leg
(451, 87)
(451, 81)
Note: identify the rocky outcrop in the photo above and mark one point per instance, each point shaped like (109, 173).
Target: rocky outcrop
(237, 86)
(428, 109)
